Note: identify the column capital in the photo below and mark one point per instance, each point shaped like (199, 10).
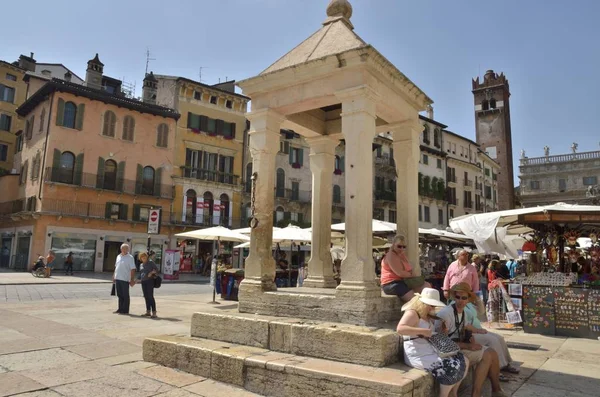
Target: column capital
(406, 130)
(262, 119)
(361, 99)
(322, 145)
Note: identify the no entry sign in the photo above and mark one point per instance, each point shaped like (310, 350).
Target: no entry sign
(154, 221)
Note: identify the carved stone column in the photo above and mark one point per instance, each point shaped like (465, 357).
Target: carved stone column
(322, 161)
(264, 145)
(406, 156)
(358, 129)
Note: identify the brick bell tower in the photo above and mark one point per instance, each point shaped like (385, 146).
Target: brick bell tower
(492, 127)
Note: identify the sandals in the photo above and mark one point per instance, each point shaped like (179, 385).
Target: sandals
(154, 315)
(510, 369)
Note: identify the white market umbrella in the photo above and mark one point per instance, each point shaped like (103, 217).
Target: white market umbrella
(218, 234)
(337, 253)
(377, 225)
(248, 230)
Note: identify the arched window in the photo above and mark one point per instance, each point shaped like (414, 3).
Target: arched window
(224, 210)
(485, 105)
(128, 128)
(162, 137)
(436, 138)
(67, 167)
(492, 103)
(70, 115)
(190, 205)
(148, 181)
(249, 178)
(110, 121)
(338, 163)
(279, 214)
(209, 204)
(426, 135)
(110, 175)
(337, 194)
(280, 184)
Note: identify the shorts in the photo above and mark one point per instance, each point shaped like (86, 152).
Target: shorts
(397, 287)
(474, 356)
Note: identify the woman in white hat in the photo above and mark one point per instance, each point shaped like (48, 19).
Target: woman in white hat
(416, 325)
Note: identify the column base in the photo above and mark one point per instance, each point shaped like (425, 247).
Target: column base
(320, 282)
(358, 289)
(255, 286)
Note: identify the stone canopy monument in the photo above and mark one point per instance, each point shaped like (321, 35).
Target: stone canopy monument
(319, 339)
(332, 86)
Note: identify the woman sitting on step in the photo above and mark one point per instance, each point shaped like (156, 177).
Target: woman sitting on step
(416, 324)
(397, 273)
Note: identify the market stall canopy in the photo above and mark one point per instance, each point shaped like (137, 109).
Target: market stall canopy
(442, 235)
(215, 233)
(378, 227)
(248, 230)
(292, 233)
(378, 242)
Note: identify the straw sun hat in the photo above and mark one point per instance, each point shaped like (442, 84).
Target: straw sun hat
(429, 296)
(462, 287)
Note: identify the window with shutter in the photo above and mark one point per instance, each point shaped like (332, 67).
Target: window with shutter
(42, 119)
(5, 122)
(128, 128)
(110, 121)
(193, 121)
(60, 111)
(69, 115)
(211, 126)
(162, 137)
(79, 118)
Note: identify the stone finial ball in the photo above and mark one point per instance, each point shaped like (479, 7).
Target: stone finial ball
(337, 8)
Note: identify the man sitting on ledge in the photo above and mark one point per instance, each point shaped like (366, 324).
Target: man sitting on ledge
(397, 273)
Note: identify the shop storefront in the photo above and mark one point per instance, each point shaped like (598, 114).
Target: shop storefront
(82, 246)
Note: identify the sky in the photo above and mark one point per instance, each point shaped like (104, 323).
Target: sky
(549, 50)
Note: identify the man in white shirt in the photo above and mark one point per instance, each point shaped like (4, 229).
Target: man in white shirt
(124, 277)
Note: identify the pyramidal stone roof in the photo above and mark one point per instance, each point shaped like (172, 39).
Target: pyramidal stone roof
(335, 37)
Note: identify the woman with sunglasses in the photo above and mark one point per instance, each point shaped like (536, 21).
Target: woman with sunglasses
(397, 273)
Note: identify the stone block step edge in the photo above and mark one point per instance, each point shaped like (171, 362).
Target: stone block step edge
(279, 374)
(370, 346)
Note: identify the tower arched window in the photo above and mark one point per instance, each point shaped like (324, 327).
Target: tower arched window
(110, 175)
(110, 122)
(280, 184)
(67, 167)
(224, 209)
(69, 115)
(279, 214)
(209, 204)
(492, 103)
(148, 181)
(191, 201)
(436, 138)
(485, 105)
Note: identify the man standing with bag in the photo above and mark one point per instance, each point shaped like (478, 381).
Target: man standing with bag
(124, 277)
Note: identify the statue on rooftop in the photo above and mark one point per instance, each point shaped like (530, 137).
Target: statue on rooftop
(574, 147)
(546, 151)
(523, 153)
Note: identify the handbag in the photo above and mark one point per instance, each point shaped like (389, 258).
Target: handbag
(414, 282)
(443, 345)
(113, 291)
(157, 281)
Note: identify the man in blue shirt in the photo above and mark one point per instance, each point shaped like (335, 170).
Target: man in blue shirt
(511, 265)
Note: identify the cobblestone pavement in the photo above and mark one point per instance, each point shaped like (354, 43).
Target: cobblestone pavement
(45, 292)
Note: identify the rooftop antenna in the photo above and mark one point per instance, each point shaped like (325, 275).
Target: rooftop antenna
(200, 72)
(148, 59)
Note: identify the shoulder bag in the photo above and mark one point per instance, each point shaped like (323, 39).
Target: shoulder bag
(443, 345)
(157, 281)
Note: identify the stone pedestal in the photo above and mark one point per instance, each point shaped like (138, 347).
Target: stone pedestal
(406, 156)
(358, 129)
(322, 161)
(264, 145)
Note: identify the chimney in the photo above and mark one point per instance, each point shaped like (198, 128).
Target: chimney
(27, 62)
(68, 76)
(430, 112)
(93, 74)
(150, 89)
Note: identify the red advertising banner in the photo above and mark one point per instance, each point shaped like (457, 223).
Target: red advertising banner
(186, 265)
(216, 207)
(206, 205)
(200, 205)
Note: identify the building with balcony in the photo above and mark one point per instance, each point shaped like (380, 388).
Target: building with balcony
(570, 178)
(209, 148)
(91, 166)
(12, 94)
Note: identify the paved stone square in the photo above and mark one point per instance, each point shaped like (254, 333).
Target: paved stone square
(78, 347)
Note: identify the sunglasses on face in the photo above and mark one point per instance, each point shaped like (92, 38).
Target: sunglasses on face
(462, 298)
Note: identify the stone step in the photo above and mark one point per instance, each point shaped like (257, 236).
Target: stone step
(372, 346)
(284, 375)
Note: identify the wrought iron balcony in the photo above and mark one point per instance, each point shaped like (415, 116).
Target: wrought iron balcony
(301, 196)
(385, 195)
(210, 175)
(12, 207)
(107, 182)
(468, 182)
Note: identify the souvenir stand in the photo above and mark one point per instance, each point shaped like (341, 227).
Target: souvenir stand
(562, 296)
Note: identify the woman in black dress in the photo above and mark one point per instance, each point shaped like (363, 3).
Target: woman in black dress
(148, 271)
